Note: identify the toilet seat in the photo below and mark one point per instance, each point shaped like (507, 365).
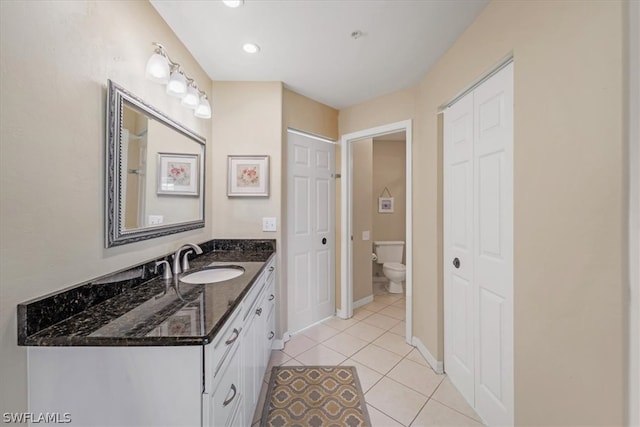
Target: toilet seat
(394, 266)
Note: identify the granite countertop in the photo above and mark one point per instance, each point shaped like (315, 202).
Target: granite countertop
(124, 309)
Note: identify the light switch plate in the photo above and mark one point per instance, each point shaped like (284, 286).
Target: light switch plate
(155, 219)
(269, 224)
(366, 235)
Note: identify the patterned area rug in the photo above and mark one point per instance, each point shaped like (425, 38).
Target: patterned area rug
(316, 396)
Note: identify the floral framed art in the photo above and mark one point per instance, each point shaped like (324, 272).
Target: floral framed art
(248, 176)
(178, 174)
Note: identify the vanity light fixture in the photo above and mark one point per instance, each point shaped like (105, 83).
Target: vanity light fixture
(161, 69)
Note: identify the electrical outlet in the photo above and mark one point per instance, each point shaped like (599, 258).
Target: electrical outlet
(269, 224)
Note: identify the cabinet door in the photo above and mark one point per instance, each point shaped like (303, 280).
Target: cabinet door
(148, 385)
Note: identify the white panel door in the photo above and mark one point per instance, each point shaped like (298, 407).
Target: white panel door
(459, 356)
(478, 247)
(310, 231)
(493, 226)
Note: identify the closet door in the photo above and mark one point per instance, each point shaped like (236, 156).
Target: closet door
(478, 247)
(493, 260)
(459, 353)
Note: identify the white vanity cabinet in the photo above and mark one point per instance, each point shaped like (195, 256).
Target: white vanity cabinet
(235, 362)
(257, 340)
(212, 385)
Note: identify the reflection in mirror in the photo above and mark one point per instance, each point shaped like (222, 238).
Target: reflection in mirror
(155, 182)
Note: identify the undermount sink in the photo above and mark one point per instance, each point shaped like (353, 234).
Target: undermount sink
(212, 275)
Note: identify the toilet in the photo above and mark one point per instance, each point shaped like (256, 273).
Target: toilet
(389, 254)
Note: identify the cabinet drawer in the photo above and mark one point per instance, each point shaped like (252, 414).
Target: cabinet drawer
(226, 341)
(253, 295)
(228, 393)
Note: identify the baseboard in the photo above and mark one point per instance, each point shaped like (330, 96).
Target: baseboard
(362, 301)
(436, 365)
(279, 344)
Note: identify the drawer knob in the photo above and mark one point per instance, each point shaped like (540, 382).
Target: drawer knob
(235, 335)
(271, 335)
(259, 311)
(230, 399)
(271, 297)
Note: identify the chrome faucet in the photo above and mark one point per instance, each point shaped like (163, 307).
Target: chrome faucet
(176, 256)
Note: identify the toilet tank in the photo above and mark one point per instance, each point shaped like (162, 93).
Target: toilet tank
(388, 251)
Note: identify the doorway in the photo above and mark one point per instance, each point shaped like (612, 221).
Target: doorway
(310, 230)
(347, 209)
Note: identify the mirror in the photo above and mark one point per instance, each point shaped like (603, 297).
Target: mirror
(155, 172)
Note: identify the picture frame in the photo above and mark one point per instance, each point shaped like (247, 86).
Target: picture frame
(248, 176)
(385, 204)
(178, 174)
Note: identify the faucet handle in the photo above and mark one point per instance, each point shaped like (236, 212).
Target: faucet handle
(185, 260)
(167, 269)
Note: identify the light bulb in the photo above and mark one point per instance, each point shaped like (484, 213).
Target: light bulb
(177, 85)
(157, 69)
(203, 110)
(191, 99)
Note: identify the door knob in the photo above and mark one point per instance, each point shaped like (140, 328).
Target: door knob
(456, 262)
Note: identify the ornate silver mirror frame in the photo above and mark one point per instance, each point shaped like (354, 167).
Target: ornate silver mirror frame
(155, 211)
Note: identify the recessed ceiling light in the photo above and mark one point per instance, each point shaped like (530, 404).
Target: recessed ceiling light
(251, 48)
(233, 3)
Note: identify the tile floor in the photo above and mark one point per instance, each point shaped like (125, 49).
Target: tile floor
(399, 386)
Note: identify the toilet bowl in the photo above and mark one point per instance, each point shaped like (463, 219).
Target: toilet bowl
(396, 273)
(389, 254)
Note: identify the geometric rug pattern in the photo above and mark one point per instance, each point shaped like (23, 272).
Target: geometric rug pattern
(315, 396)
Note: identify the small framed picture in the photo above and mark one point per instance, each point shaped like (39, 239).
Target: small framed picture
(248, 176)
(385, 204)
(178, 174)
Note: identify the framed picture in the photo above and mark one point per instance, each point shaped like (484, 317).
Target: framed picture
(385, 204)
(248, 176)
(178, 174)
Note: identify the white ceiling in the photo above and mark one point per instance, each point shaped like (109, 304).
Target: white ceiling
(307, 44)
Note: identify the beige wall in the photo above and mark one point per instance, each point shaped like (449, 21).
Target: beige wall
(390, 108)
(55, 59)
(247, 120)
(362, 156)
(305, 114)
(389, 171)
(569, 199)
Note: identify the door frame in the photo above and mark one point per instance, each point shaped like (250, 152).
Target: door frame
(633, 387)
(346, 210)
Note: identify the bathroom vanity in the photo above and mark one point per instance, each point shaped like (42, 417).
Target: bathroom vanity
(155, 351)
